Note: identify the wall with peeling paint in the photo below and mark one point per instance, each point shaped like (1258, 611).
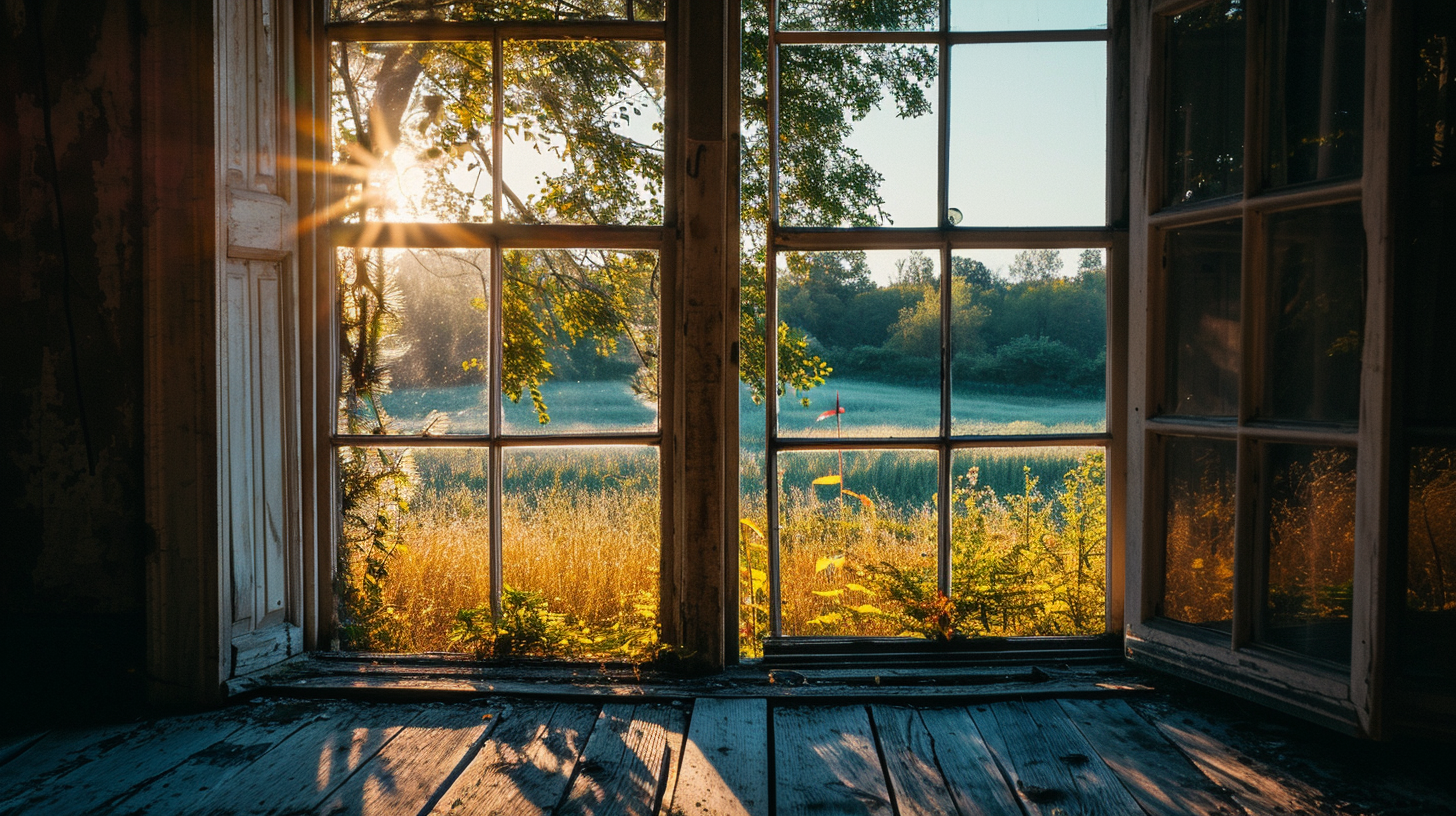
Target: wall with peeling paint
(74, 539)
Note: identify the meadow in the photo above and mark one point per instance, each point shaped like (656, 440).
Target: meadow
(580, 543)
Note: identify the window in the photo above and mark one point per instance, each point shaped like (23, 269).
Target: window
(1253, 434)
(927, 185)
(503, 233)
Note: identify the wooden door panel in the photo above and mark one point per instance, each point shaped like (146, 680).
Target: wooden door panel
(259, 271)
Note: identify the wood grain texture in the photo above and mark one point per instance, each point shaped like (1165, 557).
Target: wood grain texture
(1158, 776)
(412, 768)
(150, 751)
(910, 762)
(724, 770)
(971, 774)
(526, 764)
(1097, 787)
(13, 746)
(624, 766)
(57, 753)
(1257, 787)
(301, 771)
(1041, 783)
(825, 762)
(178, 790)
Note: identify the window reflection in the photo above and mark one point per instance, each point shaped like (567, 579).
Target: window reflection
(1203, 320)
(1198, 533)
(1309, 546)
(1316, 312)
(1203, 145)
(1316, 89)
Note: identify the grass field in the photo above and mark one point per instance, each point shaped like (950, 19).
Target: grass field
(581, 544)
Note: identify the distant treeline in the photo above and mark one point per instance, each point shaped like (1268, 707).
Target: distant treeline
(1034, 328)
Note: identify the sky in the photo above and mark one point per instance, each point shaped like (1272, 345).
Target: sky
(1027, 144)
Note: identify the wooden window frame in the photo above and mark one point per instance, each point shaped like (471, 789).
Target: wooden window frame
(1346, 698)
(944, 239)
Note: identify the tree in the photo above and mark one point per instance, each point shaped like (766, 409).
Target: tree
(413, 124)
(1036, 265)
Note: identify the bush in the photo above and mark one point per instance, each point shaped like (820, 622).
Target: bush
(891, 365)
(1031, 361)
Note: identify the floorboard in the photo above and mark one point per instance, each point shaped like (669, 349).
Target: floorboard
(526, 764)
(301, 771)
(1098, 787)
(1153, 755)
(1258, 787)
(148, 752)
(56, 753)
(406, 775)
(724, 769)
(179, 790)
(975, 781)
(1041, 779)
(825, 761)
(910, 762)
(624, 766)
(1153, 770)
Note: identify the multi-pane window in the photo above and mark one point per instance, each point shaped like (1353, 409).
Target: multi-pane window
(499, 221)
(926, 184)
(1257, 287)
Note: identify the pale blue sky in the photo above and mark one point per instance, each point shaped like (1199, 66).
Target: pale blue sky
(1027, 146)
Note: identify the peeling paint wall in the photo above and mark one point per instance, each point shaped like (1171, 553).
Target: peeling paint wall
(71, 467)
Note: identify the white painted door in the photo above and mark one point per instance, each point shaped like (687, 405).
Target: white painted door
(257, 431)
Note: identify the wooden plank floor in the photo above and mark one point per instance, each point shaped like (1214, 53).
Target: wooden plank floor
(1145, 754)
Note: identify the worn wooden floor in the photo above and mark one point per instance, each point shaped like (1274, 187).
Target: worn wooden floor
(1142, 754)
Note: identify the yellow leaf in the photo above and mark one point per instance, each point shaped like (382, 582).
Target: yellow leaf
(828, 593)
(824, 620)
(867, 609)
(828, 480)
(750, 525)
(865, 500)
(856, 587)
(828, 562)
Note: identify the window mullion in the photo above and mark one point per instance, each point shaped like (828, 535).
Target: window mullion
(497, 345)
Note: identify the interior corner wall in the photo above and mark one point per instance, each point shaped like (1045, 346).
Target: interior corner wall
(74, 538)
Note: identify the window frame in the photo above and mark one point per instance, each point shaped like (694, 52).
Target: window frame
(944, 239)
(1344, 697)
(496, 236)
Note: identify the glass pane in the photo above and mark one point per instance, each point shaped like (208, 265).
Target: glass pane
(1198, 533)
(1202, 351)
(581, 341)
(856, 541)
(1316, 90)
(1435, 85)
(1427, 301)
(583, 132)
(1029, 541)
(857, 126)
(1029, 341)
(872, 320)
(1028, 134)
(414, 548)
(371, 10)
(1026, 15)
(1428, 632)
(1309, 549)
(414, 341)
(1316, 304)
(580, 548)
(897, 15)
(1204, 128)
(411, 130)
